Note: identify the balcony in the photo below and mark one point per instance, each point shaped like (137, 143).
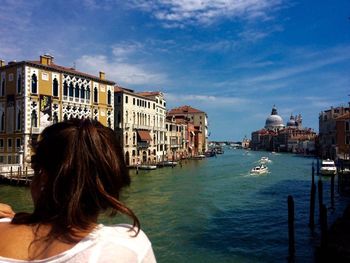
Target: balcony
(142, 145)
(142, 127)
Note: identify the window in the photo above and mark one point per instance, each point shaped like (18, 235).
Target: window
(133, 101)
(34, 119)
(154, 106)
(3, 86)
(76, 93)
(34, 84)
(109, 123)
(347, 124)
(9, 143)
(71, 88)
(88, 93)
(19, 119)
(109, 97)
(55, 87)
(95, 95)
(2, 123)
(65, 89)
(1, 159)
(149, 105)
(82, 92)
(18, 142)
(126, 99)
(19, 83)
(347, 139)
(55, 117)
(1, 143)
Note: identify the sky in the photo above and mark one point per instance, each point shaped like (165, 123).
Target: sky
(233, 59)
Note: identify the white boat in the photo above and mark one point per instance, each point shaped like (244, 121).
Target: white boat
(264, 160)
(167, 163)
(147, 167)
(328, 167)
(260, 169)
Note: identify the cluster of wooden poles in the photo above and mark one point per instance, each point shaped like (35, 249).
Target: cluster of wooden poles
(322, 214)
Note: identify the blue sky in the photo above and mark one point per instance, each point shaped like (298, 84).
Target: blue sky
(233, 59)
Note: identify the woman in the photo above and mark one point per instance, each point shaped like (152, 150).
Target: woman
(78, 174)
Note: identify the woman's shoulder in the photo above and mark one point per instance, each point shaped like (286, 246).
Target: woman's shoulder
(122, 235)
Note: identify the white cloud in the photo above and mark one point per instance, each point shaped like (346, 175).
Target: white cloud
(120, 72)
(206, 101)
(179, 12)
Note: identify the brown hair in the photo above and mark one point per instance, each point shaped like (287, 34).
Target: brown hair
(79, 172)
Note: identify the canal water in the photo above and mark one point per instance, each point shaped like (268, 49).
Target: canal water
(213, 210)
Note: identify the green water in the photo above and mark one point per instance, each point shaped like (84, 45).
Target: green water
(213, 210)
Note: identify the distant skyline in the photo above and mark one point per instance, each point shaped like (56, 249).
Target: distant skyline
(232, 59)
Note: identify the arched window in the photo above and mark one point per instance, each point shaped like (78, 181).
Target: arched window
(2, 128)
(34, 119)
(19, 83)
(95, 95)
(109, 124)
(134, 118)
(55, 117)
(71, 88)
(134, 139)
(55, 87)
(3, 84)
(34, 84)
(18, 128)
(65, 117)
(126, 139)
(118, 118)
(76, 94)
(88, 93)
(65, 89)
(82, 92)
(109, 98)
(126, 117)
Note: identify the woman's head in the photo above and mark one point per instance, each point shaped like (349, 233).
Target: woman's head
(79, 172)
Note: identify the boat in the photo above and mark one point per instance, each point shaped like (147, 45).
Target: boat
(146, 167)
(328, 167)
(210, 153)
(198, 157)
(264, 160)
(260, 169)
(167, 163)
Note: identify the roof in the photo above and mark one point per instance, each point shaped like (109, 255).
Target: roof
(344, 117)
(149, 93)
(59, 68)
(184, 110)
(119, 89)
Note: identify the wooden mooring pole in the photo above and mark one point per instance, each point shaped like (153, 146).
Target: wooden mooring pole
(291, 235)
(324, 227)
(332, 191)
(312, 200)
(320, 196)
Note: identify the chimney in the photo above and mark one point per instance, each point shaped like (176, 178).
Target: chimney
(46, 59)
(102, 75)
(2, 63)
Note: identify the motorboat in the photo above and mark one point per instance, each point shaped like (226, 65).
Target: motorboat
(210, 153)
(146, 167)
(264, 160)
(260, 169)
(167, 163)
(328, 167)
(198, 157)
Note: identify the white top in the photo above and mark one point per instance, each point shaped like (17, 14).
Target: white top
(105, 244)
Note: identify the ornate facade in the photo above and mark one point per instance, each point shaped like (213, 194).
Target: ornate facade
(35, 94)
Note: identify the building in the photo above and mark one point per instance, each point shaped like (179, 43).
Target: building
(35, 94)
(327, 131)
(176, 143)
(199, 119)
(343, 136)
(140, 125)
(275, 136)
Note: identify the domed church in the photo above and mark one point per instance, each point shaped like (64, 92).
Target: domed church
(274, 121)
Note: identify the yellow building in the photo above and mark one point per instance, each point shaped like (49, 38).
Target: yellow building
(35, 94)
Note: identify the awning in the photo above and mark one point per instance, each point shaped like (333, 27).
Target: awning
(144, 136)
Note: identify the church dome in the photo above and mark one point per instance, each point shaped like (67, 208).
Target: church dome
(274, 121)
(291, 122)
